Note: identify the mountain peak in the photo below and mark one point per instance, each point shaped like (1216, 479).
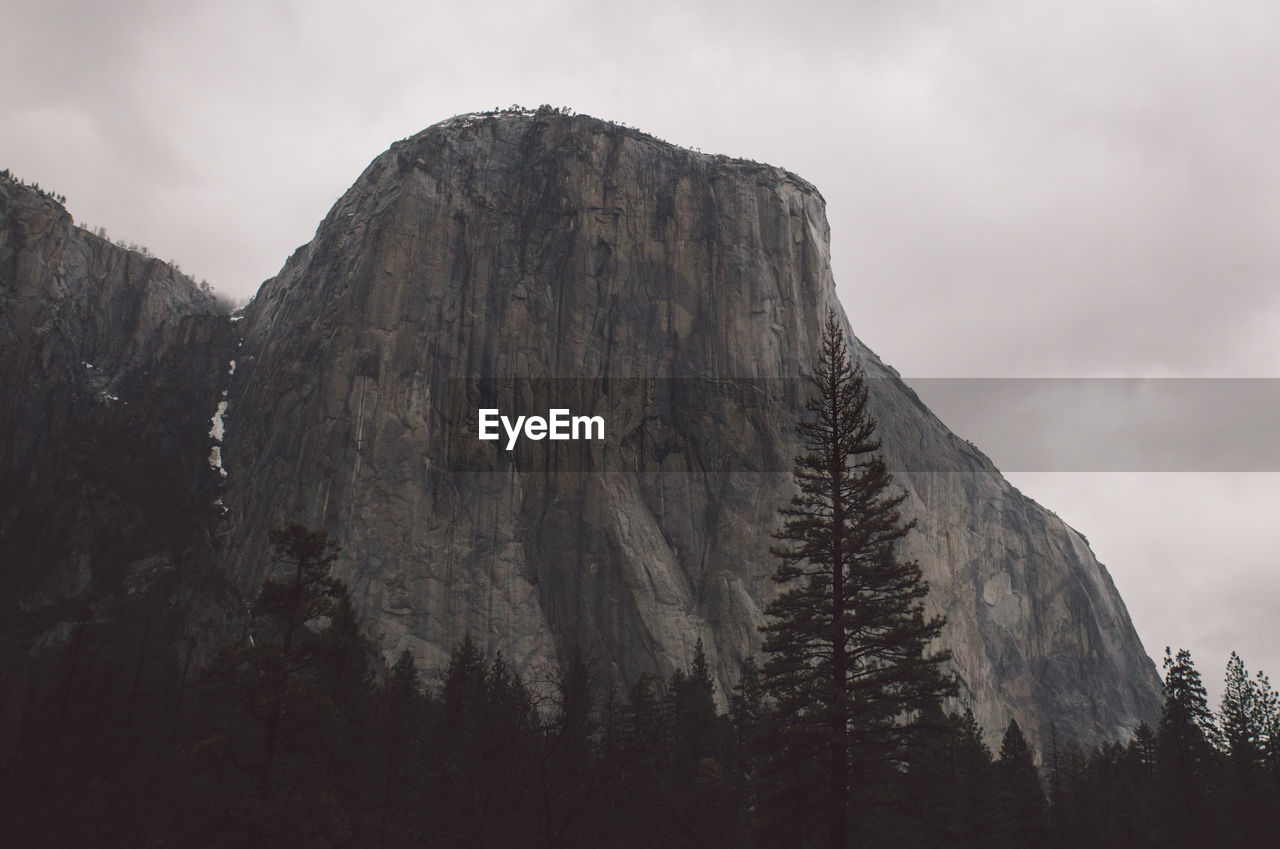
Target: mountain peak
(528, 261)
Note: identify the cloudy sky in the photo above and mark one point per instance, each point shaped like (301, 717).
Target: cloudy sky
(1016, 189)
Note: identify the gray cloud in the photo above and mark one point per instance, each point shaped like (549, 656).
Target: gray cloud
(1114, 424)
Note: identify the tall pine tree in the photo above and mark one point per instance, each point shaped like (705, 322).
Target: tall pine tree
(848, 666)
(1185, 756)
(1022, 802)
(284, 709)
(1249, 717)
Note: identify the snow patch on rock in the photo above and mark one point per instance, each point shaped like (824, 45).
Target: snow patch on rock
(219, 427)
(215, 460)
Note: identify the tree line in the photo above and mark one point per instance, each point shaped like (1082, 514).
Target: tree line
(299, 736)
(57, 198)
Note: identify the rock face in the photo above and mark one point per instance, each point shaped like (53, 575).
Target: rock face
(527, 261)
(110, 367)
(531, 261)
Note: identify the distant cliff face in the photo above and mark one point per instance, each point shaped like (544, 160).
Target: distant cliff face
(521, 262)
(110, 368)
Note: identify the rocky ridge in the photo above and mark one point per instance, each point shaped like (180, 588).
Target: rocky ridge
(111, 367)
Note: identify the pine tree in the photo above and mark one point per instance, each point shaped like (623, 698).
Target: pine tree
(1022, 799)
(302, 592)
(285, 707)
(283, 608)
(644, 752)
(1246, 716)
(1249, 716)
(848, 666)
(1185, 753)
(402, 722)
(746, 719)
(693, 705)
(1186, 705)
(486, 752)
(573, 777)
(1140, 760)
(1068, 805)
(973, 819)
(701, 800)
(923, 792)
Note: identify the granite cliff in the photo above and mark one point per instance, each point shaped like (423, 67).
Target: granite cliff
(110, 362)
(526, 261)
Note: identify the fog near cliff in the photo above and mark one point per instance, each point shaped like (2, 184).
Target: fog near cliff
(1015, 189)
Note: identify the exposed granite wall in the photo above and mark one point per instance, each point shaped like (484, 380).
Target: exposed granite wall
(632, 275)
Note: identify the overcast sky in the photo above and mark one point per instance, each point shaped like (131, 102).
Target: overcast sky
(1015, 189)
